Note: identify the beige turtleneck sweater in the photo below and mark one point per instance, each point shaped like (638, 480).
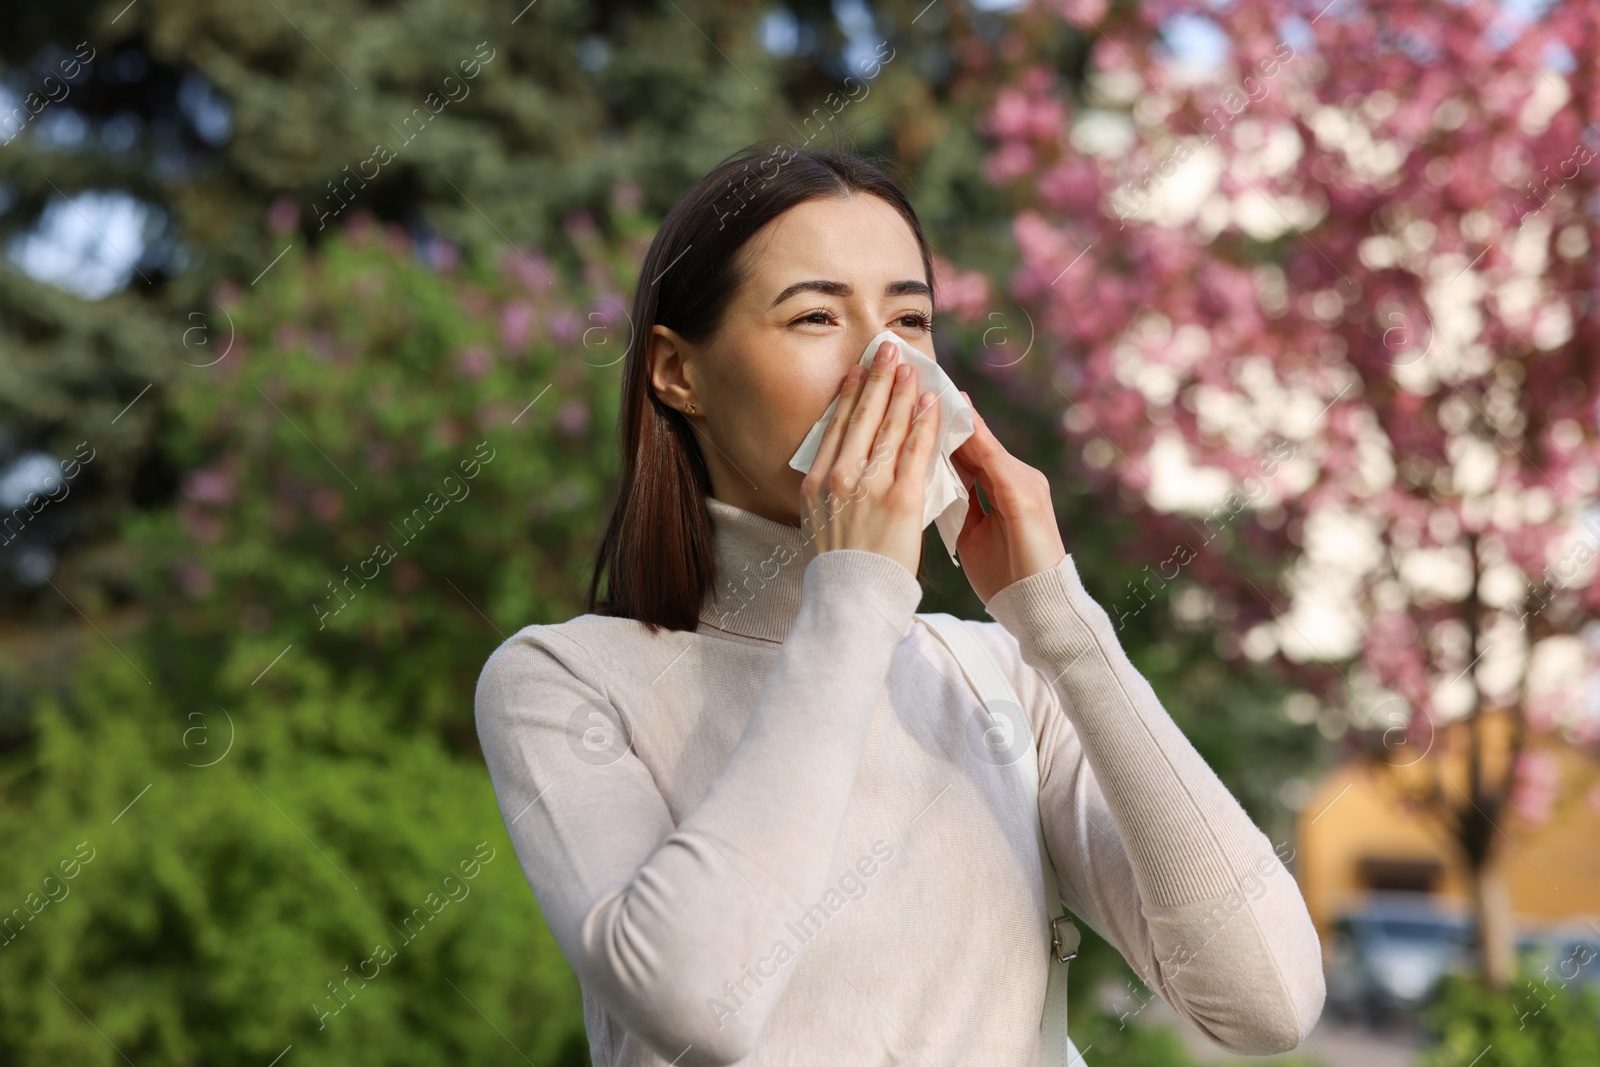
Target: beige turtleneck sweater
(782, 839)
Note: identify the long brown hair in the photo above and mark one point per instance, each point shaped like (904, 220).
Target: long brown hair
(656, 553)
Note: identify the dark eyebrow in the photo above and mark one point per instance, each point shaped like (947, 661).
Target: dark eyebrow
(906, 288)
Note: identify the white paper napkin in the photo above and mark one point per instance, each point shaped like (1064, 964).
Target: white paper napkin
(945, 498)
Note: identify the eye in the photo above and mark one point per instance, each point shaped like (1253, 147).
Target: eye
(819, 317)
(918, 320)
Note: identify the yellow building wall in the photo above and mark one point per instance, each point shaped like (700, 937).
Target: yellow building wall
(1358, 812)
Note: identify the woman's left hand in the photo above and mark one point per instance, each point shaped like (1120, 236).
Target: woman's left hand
(1019, 536)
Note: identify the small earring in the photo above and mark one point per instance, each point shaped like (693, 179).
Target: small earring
(688, 409)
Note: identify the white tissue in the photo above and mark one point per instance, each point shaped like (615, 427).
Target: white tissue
(944, 497)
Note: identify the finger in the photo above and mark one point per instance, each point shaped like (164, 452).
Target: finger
(969, 482)
(862, 425)
(828, 447)
(968, 472)
(972, 475)
(983, 454)
(1010, 486)
(911, 473)
(980, 450)
(882, 464)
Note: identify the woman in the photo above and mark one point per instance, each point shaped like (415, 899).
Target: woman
(751, 793)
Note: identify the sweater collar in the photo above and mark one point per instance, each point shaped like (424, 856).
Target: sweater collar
(760, 573)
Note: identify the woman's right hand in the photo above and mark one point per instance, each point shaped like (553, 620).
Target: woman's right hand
(865, 487)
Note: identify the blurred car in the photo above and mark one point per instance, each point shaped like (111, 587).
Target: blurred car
(1390, 953)
(1560, 956)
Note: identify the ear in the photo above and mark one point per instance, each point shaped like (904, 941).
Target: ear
(671, 360)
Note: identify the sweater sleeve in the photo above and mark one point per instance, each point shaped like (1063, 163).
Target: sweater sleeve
(1150, 847)
(658, 910)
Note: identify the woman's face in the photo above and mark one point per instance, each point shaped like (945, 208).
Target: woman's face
(822, 280)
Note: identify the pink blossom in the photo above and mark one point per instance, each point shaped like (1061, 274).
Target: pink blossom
(1030, 113)
(964, 293)
(442, 255)
(209, 486)
(1073, 185)
(516, 325)
(361, 226)
(572, 418)
(1012, 161)
(566, 328)
(529, 268)
(396, 239)
(283, 215)
(474, 361)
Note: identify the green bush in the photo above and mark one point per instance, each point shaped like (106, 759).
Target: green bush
(1108, 1041)
(1104, 1040)
(389, 456)
(225, 810)
(189, 884)
(1538, 1022)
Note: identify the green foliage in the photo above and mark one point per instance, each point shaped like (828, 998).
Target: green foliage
(1130, 1039)
(1105, 1039)
(233, 862)
(387, 457)
(1540, 1021)
(307, 786)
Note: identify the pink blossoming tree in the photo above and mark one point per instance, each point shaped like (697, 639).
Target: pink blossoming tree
(1329, 310)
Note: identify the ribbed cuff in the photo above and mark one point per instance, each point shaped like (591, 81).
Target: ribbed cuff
(865, 581)
(1050, 613)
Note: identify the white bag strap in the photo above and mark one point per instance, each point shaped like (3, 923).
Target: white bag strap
(995, 692)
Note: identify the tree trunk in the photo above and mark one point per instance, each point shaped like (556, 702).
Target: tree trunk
(1496, 926)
